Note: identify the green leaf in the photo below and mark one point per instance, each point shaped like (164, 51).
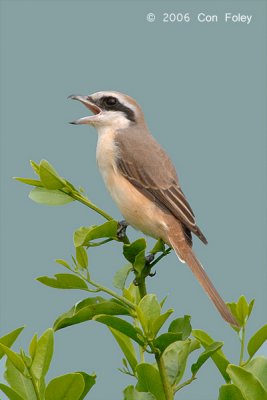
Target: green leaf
(207, 353)
(27, 181)
(159, 247)
(160, 321)
(121, 276)
(19, 383)
(43, 354)
(85, 234)
(9, 339)
(130, 393)
(249, 385)
(241, 310)
(139, 263)
(10, 393)
(63, 281)
(219, 357)
(175, 359)
(89, 382)
(49, 176)
(257, 340)
(149, 380)
(258, 367)
(81, 256)
(164, 340)
(130, 251)
(250, 307)
(86, 309)
(230, 392)
(148, 311)
(126, 346)
(35, 167)
(33, 346)
(122, 326)
(64, 263)
(49, 197)
(132, 293)
(182, 325)
(15, 358)
(65, 387)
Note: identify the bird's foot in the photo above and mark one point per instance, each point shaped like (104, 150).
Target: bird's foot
(121, 231)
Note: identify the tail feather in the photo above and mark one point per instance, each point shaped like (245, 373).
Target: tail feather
(189, 257)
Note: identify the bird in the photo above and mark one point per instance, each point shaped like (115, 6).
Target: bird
(143, 182)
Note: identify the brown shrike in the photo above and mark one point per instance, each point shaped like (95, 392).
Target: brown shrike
(143, 182)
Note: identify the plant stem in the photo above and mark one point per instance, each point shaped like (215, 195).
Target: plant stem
(111, 293)
(34, 384)
(82, 199)
(242, 340)
(164, 378)
(185, 383)
(142, 287)
(164, 254)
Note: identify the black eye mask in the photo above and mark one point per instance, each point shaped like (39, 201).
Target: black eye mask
(111, 103)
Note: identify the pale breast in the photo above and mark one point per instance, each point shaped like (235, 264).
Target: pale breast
(138, 210)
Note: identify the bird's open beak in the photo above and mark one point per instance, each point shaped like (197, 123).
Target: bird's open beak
(88, 104)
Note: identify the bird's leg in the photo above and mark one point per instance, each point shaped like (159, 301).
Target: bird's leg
(121, 231)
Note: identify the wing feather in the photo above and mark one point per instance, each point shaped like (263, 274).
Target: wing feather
(154, 175)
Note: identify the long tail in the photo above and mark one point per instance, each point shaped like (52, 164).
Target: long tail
(189, 257)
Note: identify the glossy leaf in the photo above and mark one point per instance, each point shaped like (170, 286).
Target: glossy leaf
(43, 354)
(121, 276)
(148, 311)
(89, 382)
(35, 167)
(249, 385)
(65, 387)
(175, 359)
(10, 393)
(159, 247)
(218, 358)
(208, 352)
(31, 182)
(164, 340)
(230, 392)
(15, 358)
(85, 234)
(9, 339)
(86, 309)
(63, 281)
(18, 382)
(121, 326)
(49, 197)
(182, 325)
(33, 346)
(241, 310)
(49, 176)
(160, 321)
(81, 256)
(130, 393)
(64, 263)
(257, 340)
(250, 307)
(126, 346)
(130, 251)
(149, 380)
(258, 367)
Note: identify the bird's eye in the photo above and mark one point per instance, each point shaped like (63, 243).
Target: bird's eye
(110, 101)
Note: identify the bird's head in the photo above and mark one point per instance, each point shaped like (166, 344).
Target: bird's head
(110, 109)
